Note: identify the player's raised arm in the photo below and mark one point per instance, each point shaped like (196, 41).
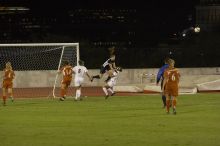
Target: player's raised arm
(87, 74)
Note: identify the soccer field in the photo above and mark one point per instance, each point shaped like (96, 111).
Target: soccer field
(118, 121)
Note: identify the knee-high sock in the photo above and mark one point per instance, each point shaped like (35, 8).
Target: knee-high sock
(105, 90)
(110, 90)
(63, 92)
(164, 100)
(168, 104)
(174, 103)
(10, 95)
(4, 99)
(78, 93)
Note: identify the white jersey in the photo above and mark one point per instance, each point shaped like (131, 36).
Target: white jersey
(112, 81)
(79, 71)
(107, 62)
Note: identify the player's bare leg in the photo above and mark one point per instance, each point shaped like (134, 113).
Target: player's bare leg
(4, 96)
(10, 92)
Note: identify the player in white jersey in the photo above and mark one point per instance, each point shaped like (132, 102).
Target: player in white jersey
(108, 87)
(79, 72)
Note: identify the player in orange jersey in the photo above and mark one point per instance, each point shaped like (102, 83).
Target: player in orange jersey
(170, 85)
(67, 72)
(8, 82)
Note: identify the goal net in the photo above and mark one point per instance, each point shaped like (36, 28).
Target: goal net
(36, 66)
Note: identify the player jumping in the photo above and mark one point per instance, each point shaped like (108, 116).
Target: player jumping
(108, 66)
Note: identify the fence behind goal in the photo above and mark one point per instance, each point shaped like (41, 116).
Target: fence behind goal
(36, 66)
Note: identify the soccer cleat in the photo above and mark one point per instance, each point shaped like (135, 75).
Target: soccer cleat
(12, 99)
(4, 104)
(106, 97)
(174, 111)
(91, 79)
(113, 94)
(62, 99)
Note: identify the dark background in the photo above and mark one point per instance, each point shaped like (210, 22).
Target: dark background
(143, 32)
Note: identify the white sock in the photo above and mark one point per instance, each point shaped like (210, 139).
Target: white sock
(110, 90)
(77, 94)
(105, 90)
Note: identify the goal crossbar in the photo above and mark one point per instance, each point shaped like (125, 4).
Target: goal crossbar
(39, 44)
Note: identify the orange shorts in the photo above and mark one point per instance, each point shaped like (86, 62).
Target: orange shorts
(7, 84)
(172, 90)
(66, 81)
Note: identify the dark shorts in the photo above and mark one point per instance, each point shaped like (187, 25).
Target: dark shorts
(104, 69)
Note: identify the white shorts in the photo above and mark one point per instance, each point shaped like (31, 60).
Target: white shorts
(78, 81)
(111, 83)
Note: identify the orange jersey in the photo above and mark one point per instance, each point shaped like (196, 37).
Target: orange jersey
(172, 76)
(172, 80)
(67, 72)
(8, 75)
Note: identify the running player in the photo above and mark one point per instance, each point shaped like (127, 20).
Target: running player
(79, 72)
(171, 82)
(111, 83)
(67, 72)
(8, 82)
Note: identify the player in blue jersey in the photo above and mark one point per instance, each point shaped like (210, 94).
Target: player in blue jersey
(161, 78)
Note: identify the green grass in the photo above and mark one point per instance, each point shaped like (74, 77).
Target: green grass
(118, 121)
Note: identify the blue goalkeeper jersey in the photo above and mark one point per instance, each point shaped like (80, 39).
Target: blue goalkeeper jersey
(161, 71)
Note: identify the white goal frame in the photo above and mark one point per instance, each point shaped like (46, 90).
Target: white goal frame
(63, 45)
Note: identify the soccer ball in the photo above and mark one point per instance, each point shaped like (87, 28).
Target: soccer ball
(197, 29)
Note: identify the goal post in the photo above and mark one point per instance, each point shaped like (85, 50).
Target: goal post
(36, 66)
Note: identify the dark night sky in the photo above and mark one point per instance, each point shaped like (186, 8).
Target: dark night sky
(162, 7)
(170, 13)
(167, 7)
